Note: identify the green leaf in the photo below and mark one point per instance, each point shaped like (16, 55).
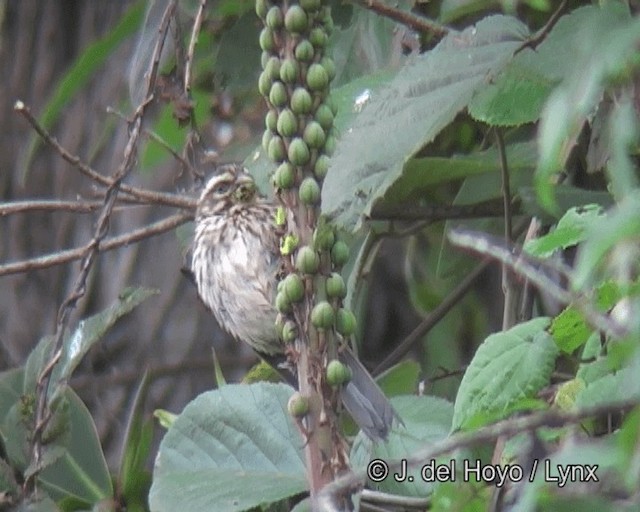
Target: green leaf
(231, 449)
(570, 230)
(85, 66)
(604, 49)
(427, 420)
(615, 387)
(507, 367)
(82, 472)
(569, 330)
(90, 330)
(620, 225)
(397, 122)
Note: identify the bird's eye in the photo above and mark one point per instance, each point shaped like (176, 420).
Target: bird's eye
(223, 188)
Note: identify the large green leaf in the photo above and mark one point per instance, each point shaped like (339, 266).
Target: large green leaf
(605, 42)
(230, 450)
(507, 367)
(425, 96)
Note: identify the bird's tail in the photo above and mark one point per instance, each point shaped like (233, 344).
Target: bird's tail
(365, 401)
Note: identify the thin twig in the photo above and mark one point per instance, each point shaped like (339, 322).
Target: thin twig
(162, 198)
(527, 266)
(197, 23)
(155, 137)
(508, 428)
(42, 411)
(417, 23)
(46, 205)
(534, 41)
(108, 244)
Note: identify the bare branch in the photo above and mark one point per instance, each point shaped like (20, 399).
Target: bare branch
(46, 205)
(197, 23)
(108, 244)
(148, 196)
(417, 23)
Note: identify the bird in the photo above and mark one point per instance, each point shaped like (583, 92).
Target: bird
(235, 264)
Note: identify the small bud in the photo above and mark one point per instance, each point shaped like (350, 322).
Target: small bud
(318, 37)
(311, 5)
(304, 51)
(285, 176)
(280, 218)
(298, 152)
(323, 237)
(274, 18)
(267, 41)
(261, 8)
(278, 94)
(324, 116)
(317, 77)
(293, 288)
(330, 145)
(276, 149)
(271, 120)
(288, 244)
(314, 135)
(309, 192)
(289, 70)
(301, 101)
(264, 58)
(339, 253)
(307, 260)
(321, 167)
(322, 315)
(298, 405)
(264, 83)
(273, 68)
(282, 303)
(287, 124)
(345, 322)
(289, 331)
(295, 20)
(329, 66)
(337, 373)
(335, 286)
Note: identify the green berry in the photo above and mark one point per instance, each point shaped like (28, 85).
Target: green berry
(289, 331)
(298, 153)
(332, 105)
(335, 286)
(271, 120)
(311, 5)
(266, 138)
(307, 260)
(345, 322)
(309, 192)
(301, 101)
(339, 253)
(293, 288)
(278, 94)
(321, 167)
(274, 18)
(330, 145)
(276, 149)
(282, 303)
(324, 116)
(298, 405)
(287, 124)
(318, 37)
(314, 135)
(261, 8)
(264, 58)
(329, 66)
(322, 315)
(289, 70)
(285, 176)
(267, 40)
(295, 20)
(323, 237)
(304, 51)
(273, 68)
(338, 373)
(317, 77)
(264, 83)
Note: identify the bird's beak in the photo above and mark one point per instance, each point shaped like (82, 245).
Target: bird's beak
(245, 189)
